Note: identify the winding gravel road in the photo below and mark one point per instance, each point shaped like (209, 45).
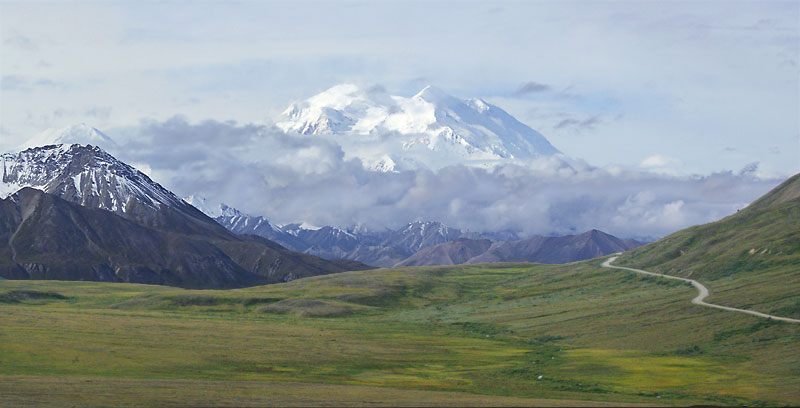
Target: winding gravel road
(702, 295)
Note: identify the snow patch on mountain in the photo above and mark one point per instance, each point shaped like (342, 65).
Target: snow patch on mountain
(83, 174)
(432, 129)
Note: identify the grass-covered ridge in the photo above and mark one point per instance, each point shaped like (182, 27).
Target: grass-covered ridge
(516, 334)
(758, 246)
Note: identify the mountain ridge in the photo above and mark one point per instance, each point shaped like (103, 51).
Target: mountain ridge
(765, 233)
(424, 243)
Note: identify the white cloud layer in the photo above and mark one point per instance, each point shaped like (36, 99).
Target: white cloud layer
(291, 178)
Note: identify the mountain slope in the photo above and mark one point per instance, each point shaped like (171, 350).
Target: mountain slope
(551, 250)
(430, 128)
(763, 235)
(748, 260)
(49, 238)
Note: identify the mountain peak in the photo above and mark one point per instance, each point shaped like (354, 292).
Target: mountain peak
(89, 176)
(434, 95)
(430, 129)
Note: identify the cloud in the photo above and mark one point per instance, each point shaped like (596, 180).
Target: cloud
(657, 160)
(531, 87)
(291, 178)
(21, 42)
(380, 89)
(588, 123)
(750, 169)
(18, 83)
(12, 82)
(100, 112)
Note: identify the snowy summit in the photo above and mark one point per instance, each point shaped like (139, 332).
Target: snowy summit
(431, 128)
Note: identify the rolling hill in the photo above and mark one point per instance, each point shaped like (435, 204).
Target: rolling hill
(503, 334)
(759, 245)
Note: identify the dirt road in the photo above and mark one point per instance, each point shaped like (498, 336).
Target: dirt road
(702, 295)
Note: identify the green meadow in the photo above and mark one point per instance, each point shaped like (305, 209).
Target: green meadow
(499, 334)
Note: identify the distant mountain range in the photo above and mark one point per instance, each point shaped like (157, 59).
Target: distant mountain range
(419, 243)
(551, 250)
(431, 128)
(77, 213)
(378, 248)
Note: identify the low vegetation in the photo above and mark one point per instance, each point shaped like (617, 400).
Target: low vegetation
(500, 334)
(758, 247)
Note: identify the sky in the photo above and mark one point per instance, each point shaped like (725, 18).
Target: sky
(670, 91)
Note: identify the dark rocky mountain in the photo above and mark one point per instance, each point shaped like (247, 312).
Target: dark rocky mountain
(552, 250)
(50, 238)
(47, 237)
(200, 253)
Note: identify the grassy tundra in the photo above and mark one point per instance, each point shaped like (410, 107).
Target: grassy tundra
(500, 334)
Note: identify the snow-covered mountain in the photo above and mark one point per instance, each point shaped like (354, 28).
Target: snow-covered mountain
(89, 176)
(431, 128)
(76, 134)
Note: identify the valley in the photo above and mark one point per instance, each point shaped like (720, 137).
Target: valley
(479, 334)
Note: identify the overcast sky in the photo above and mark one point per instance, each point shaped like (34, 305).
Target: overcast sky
(672, 89)
(691, 87)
